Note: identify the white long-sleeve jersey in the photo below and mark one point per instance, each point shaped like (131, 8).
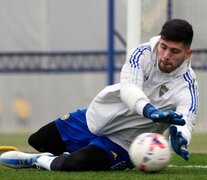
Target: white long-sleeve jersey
(116, 112)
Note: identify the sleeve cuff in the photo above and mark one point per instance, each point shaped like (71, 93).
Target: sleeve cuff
(140, 104)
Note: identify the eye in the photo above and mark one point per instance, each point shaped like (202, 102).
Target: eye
(163, 46)
(175, 51)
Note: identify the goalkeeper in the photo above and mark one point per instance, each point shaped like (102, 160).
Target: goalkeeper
(157, 91)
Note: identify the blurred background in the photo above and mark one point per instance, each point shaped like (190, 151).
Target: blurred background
(56, 55)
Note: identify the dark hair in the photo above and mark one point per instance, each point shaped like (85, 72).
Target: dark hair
(177, 30)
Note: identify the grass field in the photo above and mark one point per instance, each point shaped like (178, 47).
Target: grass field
(195, 168)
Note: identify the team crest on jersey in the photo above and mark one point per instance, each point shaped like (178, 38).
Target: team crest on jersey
(163, 90)
(66, 116)
(114, 154)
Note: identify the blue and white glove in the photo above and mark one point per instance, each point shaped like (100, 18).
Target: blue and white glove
(178, 143)
(163, 116)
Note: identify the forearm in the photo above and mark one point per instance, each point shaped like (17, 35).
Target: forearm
(134, 98)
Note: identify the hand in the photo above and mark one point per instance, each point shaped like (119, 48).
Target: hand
(167, 116)
(178, 143)
(163, 116)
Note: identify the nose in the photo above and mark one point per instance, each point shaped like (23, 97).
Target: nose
(166, 54)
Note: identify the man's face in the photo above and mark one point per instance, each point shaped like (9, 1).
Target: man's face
(171, 55)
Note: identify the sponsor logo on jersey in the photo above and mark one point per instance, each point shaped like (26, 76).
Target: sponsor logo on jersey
(163, 90)
(66, 116)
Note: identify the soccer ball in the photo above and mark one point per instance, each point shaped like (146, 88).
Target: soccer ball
(150, 152)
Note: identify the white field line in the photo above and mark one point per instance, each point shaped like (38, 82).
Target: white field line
(189, 166)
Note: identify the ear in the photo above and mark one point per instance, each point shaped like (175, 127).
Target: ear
(188, 53)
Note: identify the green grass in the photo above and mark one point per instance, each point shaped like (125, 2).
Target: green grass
(181, 170)
(198, 143)
(195, 168)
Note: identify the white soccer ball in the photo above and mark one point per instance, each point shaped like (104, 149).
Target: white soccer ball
(150, 152)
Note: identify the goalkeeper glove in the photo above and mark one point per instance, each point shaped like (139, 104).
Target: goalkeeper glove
(178, 143)
(163, 116)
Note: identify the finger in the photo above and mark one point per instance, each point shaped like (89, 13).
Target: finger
(178, 115)
(173, 131)
(183, 146)
(182, 140)
(173, 114)
(176, 121)
(184, 153)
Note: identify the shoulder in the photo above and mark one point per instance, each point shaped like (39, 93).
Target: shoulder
(189, 76)
(139, 55)
(139, 50)
(143, 51)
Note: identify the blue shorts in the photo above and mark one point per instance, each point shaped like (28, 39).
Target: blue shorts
(75, 133)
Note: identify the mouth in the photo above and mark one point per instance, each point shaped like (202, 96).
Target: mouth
(166, 64)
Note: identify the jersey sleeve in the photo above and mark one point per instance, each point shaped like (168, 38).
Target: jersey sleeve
(133, 74)
(187, 104)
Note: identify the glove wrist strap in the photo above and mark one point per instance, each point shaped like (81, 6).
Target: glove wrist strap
(148, 109)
